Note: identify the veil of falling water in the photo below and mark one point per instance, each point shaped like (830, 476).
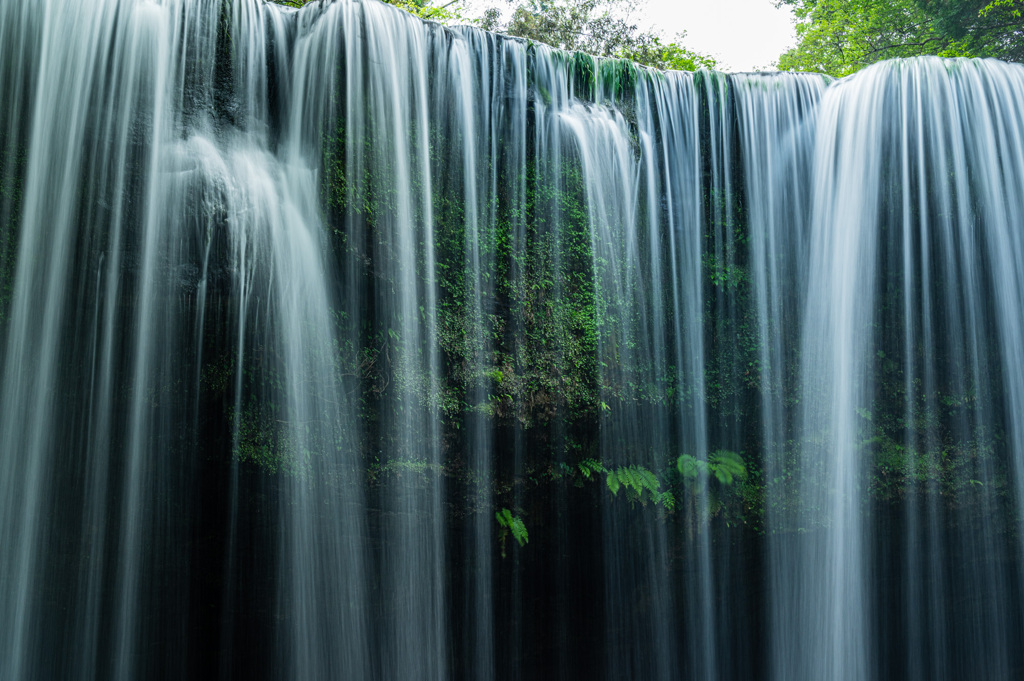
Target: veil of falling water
(915, 275)
(308, 315)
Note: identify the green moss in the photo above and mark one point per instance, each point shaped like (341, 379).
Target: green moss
(261, 442)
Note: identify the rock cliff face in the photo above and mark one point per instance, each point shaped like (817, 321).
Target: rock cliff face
(340, 345)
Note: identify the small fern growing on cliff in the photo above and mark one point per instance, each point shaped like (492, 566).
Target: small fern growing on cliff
(510, 524)
(726, 466)
(640, 485)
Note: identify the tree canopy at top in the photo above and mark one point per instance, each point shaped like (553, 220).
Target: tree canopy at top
(839, 37)
(603, 28)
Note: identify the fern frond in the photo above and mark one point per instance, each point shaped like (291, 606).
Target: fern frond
(690, 467)
(519, 532)
(648, 479)
(727, 466)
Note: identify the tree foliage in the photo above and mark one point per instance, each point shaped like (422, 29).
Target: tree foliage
(839, 37)
(603, 28)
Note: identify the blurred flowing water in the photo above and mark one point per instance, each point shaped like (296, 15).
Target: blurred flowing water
(275, 286)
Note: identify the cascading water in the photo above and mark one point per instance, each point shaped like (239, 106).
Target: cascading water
(909, 349)
(337, 344)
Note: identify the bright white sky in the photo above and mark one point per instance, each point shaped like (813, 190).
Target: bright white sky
(743, 35)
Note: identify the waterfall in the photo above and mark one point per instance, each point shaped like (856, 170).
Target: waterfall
(336, 344)
(913, 279)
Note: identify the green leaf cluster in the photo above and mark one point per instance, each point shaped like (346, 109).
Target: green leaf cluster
(638, 484)
(725, 466)
(510, 524)
(839, 37)
(669, 56)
